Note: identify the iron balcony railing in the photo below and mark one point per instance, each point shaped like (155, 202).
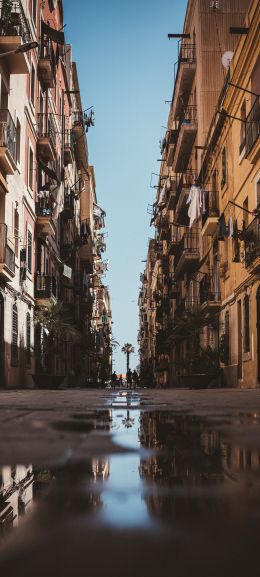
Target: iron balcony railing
(78, 118)
(209, 296)
(7, 132)
(189, 244)
(187, 53)
(46, 128)
(187, 305)
(69, 200)
(188, 116)
(211, 205)
(44, 206)
(252, 241)
(253, 125)
(7, 256)
(13, 21)
(45, 286)
(186, 179)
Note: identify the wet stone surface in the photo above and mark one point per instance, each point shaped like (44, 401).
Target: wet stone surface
(130, 483)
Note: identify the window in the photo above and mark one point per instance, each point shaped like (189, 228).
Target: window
(246, 324)
(32, 85)
(245, 213)
(16, 232)
(242, 127)
(29, 251)
(14, 346)
(28, 339)
(34, 11)
(30, 168)
(18, 141)
(223, 168)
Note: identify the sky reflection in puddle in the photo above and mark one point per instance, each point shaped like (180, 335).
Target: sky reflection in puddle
(176, 472)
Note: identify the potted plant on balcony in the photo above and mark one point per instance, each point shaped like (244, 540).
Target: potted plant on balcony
(54, 325)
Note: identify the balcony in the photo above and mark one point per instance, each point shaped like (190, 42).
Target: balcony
(170, 194)
(187, 255)
(46, 65)
(68, 148)
(14, 31)
(252, 132)
(186, 136)
(185, 181)
(69, 205)
(7, 256)
(46, 132)
(210, 300)
(210, 218)
(170, 146)
(44, 222)
(252, 245)
(7, 142)
(185, 76)
(163, 227)
(187, 304)
(45, 289)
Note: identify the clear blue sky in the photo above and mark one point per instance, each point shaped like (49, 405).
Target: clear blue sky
(126, 70)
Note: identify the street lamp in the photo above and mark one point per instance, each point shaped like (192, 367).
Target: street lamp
(23, 48)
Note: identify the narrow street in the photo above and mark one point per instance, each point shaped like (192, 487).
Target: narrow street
(122, 482)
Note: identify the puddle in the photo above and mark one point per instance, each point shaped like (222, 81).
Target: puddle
(188, 488)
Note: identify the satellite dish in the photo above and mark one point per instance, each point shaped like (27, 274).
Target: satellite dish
(226, 59)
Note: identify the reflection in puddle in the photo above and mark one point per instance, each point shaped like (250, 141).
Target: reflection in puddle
(175, 472)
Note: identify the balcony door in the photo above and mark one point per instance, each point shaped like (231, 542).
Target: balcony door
(2, 343)
(239, 341)
(258, 332)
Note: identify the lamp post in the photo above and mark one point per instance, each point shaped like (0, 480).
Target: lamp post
(21, 49)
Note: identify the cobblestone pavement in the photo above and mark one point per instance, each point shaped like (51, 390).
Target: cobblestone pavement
(156, 482)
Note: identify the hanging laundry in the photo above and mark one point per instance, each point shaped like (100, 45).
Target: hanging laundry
(162, 197)
(230, 227)
(203, 201)
(221, 227)
(194, 200)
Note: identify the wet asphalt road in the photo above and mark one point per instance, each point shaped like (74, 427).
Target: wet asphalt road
(147, 482)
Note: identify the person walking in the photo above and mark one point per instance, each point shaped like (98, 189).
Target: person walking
(135, 379)
(129, 378)
(121, 381)
(113, 379)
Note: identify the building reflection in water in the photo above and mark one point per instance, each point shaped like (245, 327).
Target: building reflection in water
(193, 467)
(16, 495)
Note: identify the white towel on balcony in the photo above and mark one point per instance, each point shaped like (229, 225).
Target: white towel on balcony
(195, 201)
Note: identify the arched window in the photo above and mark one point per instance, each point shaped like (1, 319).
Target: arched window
(246, 324)
(28, 339)
(14, 345)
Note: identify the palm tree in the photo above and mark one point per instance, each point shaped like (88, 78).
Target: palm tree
(128, 349)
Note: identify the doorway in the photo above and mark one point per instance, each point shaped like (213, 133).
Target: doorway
(2, 343)
(258, 332)
(239, 341)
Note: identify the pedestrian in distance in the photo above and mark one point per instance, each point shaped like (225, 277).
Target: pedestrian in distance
(114, 379)
(121, 384)
(135, 379)
(129, 378)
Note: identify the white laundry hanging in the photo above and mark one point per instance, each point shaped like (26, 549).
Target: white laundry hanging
(195, 201)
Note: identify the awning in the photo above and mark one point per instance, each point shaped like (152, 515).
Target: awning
(49, 171)
(54, 35)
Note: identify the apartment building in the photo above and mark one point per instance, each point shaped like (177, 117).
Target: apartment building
(46, 202)
(231, 159)
(188, 294)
